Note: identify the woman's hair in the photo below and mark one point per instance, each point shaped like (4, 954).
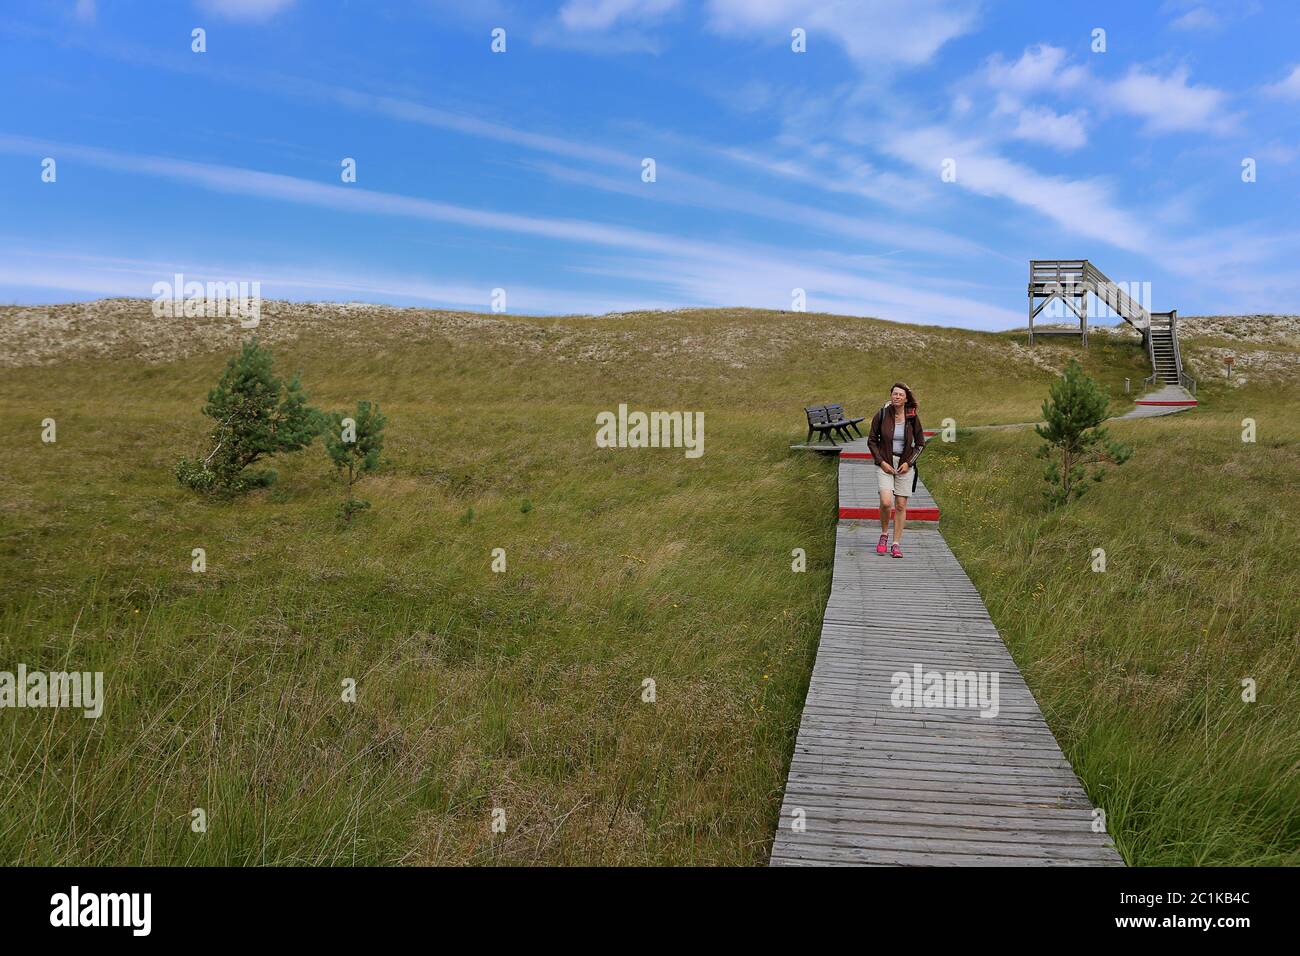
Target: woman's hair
(909, 403)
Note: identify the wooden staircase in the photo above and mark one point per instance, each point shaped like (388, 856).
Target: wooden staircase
(1072, 280)
(1166, 358)
(1163, 360)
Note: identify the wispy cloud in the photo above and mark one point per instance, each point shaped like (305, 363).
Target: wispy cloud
(689, 270)
(1287, 88)
(591, 15)
(760, 281)
(1084, 207)
(1170, 103)
(606, 27)
(458, 122)
(1197, 18)
(1044, 126)
(683, 188)
(831, 170)
(874, 33)
(1040, 67)
(61, 271)
(826, 176)
(249, 11)
(274, 186)
(679, 185)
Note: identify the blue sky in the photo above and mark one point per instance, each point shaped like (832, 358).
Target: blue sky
(775, 170)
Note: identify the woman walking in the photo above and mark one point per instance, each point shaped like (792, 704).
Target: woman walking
(896, 439)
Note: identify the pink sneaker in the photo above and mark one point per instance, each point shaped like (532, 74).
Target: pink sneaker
(896, 551)
(881, 545)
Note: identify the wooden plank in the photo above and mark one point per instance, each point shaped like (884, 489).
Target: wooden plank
(934, 843)
(848, 793)
(949, 837)
(950, 814)
(846, 855)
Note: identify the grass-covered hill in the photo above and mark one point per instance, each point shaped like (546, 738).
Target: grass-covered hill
(523, 691)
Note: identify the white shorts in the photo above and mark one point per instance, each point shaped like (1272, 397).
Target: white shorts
(900, 485)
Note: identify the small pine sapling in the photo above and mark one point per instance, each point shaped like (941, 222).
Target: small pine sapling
(1075, 447)
(354, 444)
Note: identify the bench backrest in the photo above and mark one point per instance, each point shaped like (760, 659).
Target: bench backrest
(836, 413)
(816, 414)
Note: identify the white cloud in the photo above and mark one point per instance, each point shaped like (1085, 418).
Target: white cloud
(274, 186)
(1229, 263)
(88, 274)
(1083, 207)
(733, 278)
(846, 173)
(1281, 153)
(1169, 103)
(764, 278)
(603, 14)
(1197, 18)
(680, 186)
(1288, 88)
(874, 33)
(252, 11)
(411, 112)
(692, 270)
(1040, 67)
(598, 43)
(1060, 131)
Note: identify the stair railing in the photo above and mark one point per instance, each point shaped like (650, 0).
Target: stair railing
(1116, 298)
(1185, 380)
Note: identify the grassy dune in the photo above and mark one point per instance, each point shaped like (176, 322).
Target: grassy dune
(522, 691)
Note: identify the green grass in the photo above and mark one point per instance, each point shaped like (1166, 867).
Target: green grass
(522, 691)
(1138, 669)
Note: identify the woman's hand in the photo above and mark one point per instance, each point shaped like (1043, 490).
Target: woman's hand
(902, 468)
(889, 469)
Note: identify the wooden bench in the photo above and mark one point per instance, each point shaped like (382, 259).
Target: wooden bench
(828, 420)
(819, 422)
(836, 414)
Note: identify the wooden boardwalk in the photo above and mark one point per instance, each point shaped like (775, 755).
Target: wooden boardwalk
(872, 783)
(1167, 400)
